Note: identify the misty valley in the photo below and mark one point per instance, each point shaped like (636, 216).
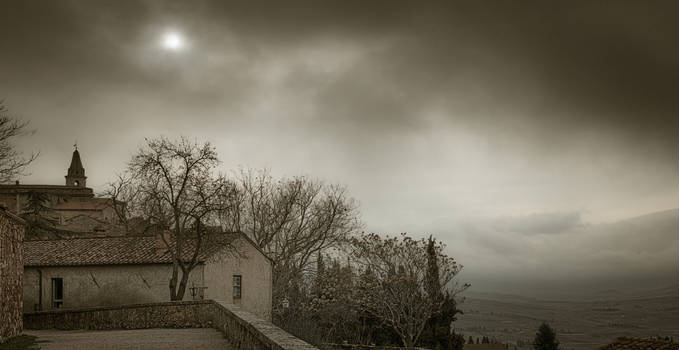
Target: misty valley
(588, 323)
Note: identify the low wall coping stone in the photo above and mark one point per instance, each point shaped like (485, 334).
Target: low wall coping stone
(265, 329)
(116, 307)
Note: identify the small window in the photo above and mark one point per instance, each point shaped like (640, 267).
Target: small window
(237, 286)
(57, 292)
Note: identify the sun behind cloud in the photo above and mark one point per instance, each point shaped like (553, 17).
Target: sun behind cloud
(173, 40)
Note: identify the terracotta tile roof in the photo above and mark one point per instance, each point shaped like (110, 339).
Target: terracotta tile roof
(108, 251)
(624, 343)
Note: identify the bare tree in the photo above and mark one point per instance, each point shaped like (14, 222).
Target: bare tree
(292, 220)
(393, 287)
(125, 201)
(11, 161)
(170, 187)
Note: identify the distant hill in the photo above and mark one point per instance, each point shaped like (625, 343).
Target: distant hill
(623, 282)
(669, 290)
(647, 233)
(580, 324)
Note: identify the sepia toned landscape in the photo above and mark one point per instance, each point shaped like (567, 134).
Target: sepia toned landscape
(339, 175)
(583, 323)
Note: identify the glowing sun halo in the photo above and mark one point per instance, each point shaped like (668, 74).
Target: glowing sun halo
(173, 41)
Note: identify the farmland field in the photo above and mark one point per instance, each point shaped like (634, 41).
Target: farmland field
(580, 324)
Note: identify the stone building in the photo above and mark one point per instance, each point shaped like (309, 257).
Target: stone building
(70, 207)
(97, 265)
(11, 274)
(88, 272)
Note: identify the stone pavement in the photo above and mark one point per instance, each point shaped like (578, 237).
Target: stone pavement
(153, 339)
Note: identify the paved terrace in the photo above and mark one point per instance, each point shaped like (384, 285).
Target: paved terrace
(205, 324)
(152, 339)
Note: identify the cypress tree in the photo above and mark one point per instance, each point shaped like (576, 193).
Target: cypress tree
(545, 338)
(320, 282)
(432, 282)
(36, 205)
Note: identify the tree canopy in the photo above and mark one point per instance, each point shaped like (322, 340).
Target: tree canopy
(545, 338)
(400, 285)
(172, 189)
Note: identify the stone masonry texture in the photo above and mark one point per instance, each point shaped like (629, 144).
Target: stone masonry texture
(11, 274)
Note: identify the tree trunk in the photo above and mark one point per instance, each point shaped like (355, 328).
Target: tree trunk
(406, 339)
(175, 261)
(182, 285)
(173, 282)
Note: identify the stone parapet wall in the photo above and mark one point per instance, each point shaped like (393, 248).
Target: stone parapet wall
(242, 329)
(179, 314)
(246, 331)
(11, 274)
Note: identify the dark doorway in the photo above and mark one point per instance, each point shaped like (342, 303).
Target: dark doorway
(57, 292)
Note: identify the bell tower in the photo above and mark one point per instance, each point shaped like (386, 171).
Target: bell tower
(76, 172)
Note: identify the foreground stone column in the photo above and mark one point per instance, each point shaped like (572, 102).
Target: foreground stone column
(11, 274)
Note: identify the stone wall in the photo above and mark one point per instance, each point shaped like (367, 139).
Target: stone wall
(102, 286)
(111, 285)
(11, 273)
(246, 331)
(15, 196)
(242, 329)
(179, 314)
(256, 283)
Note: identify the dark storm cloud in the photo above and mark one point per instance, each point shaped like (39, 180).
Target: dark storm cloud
(615, 58)
(431, 112)
(589, 64)
(549, 73)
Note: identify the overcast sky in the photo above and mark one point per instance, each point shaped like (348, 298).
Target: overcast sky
(517, 132)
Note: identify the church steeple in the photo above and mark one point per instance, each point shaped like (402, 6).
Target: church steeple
(76, 172)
